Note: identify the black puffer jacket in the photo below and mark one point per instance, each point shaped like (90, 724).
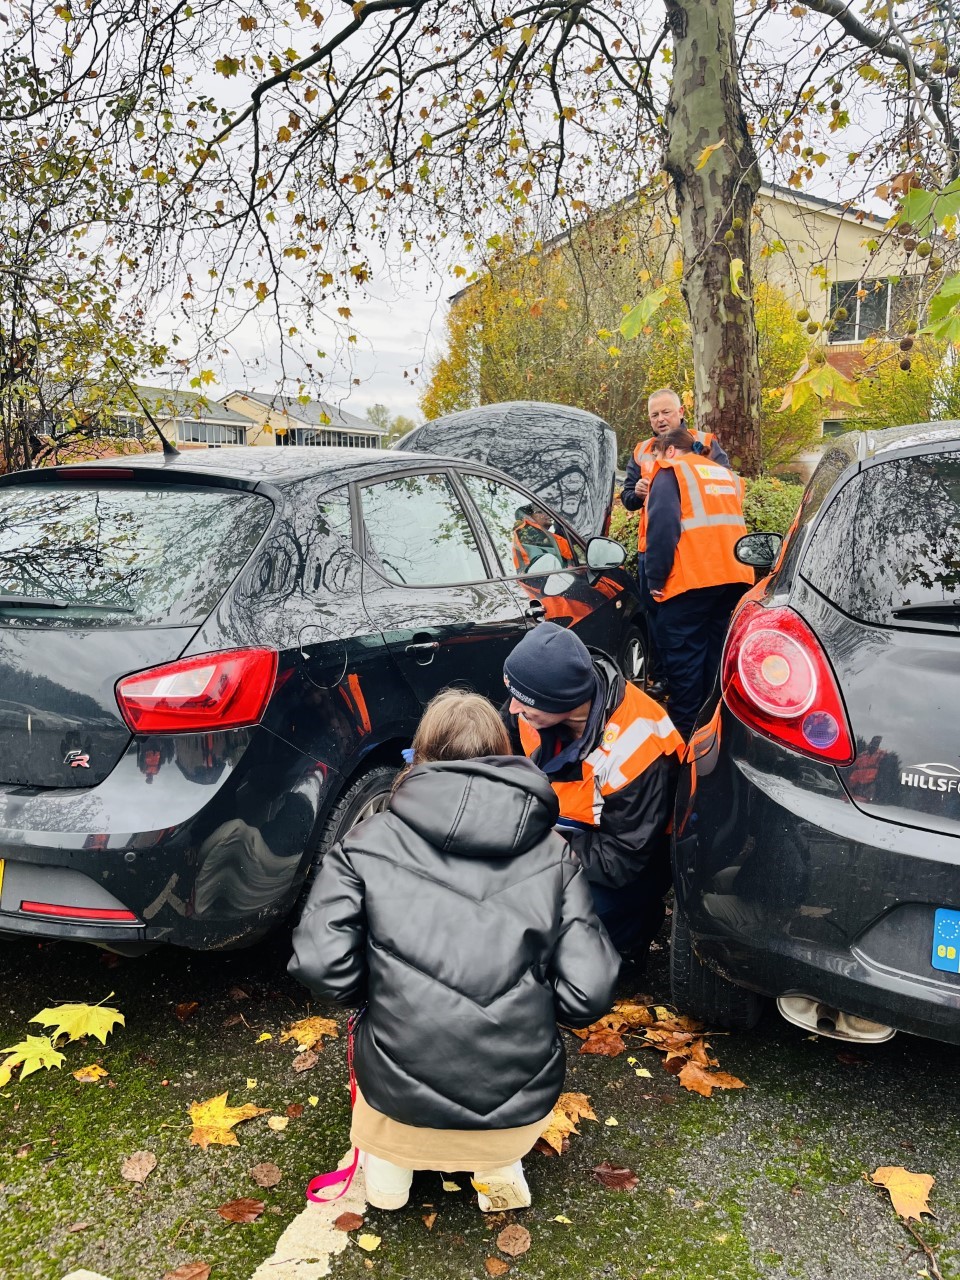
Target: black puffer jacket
(466, 924)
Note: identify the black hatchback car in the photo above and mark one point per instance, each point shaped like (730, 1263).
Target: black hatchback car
(209, 665)
(817, 847)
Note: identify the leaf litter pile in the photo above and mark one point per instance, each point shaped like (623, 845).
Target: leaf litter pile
(686, 1053)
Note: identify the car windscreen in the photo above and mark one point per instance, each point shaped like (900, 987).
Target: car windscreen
(887, 550)
(115, 556)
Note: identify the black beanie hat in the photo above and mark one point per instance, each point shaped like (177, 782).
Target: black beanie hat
(550, 670)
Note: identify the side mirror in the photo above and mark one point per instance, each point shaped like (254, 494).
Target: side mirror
(604, 553)
(759, 550)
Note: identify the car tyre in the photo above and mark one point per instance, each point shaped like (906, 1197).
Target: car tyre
(633, 655)
(363, 798)
(703, 993)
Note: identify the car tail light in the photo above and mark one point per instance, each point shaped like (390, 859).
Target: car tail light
(196, 695)
(96, 915)
(777, 680)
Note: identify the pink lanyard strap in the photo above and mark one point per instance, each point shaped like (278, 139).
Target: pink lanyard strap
(344, 1176)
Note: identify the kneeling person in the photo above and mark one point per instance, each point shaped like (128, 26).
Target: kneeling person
(611, 755)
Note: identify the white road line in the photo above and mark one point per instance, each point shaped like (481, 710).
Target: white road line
(304, 1250)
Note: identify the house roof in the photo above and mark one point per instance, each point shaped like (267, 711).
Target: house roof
(318, 413)
(165, 405)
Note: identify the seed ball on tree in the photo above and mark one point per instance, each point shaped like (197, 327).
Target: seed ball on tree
(938, 66)
(803, 316)
(905, 228)
(952, 71)
(841, 313)
(835, 105)
(905, 365)
(813, 327)
(924, 249)
(911, 326)
(935, 263)
(817, 356)
(828, 325)
(906, 344)
(728, 236)
(737, 224)
(909, 244)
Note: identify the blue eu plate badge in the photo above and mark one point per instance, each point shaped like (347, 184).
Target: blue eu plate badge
(946, 940)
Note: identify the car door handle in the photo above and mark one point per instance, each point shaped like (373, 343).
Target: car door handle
(423, 651)
(536, 609)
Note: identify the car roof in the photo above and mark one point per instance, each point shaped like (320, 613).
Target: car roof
(862, 446)
(272, 466)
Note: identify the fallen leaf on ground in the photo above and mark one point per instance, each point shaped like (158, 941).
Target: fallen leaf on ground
(264, 1035)
(368, 1242)
(642, 1071)
(304, 1061)
(266, 1174)
(611, 1122)
(186, 1010)
(563, 1219)
(571, 1108)
(251, 1083)
(278, 1123)
(313, 1099)
(428, 1220)
(309, 1032)
(238, 993)
(513, 1240)
(242, 1210)
(79, 1226)
(139, 1166)
(76, 1020)
(189, 1271)
(29, 1055)
(348, 1222)
(450, 1186)
(295, 1110)
(607, 1044)
(616, 1179)
(91, 1074)
(495, 1266)
(697, 1080)
(213, 1121)
(908, 1191)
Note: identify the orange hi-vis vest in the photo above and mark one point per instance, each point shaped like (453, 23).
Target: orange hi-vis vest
(646, 460)
(637, 733)
(711, 522)
(521, 556)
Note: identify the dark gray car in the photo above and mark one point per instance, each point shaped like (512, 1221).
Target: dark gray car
(817, 847)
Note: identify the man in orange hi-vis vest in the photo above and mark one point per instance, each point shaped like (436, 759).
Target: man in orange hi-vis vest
(694, 520)
(665, 412)
(611, 755)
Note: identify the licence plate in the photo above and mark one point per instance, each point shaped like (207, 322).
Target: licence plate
(946, 940)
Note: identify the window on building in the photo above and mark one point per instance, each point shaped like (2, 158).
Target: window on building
(874, 307)
(209, 433)
(325, 437)
(836, 426)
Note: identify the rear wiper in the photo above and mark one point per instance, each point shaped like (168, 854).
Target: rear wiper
(48, 602)
(935, 609)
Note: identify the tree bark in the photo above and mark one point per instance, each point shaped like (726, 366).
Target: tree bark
(704, 107)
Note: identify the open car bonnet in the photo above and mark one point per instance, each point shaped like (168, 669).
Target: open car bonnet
(565, 456)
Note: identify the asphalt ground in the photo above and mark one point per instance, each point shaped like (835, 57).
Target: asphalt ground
(767, 1181)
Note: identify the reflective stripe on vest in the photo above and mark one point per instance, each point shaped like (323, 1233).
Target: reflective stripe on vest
(646, 460)
(711, 522)
(637, 733)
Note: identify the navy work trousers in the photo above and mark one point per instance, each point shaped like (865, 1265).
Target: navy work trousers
(690, 632)
(633, 914)
(655, 667)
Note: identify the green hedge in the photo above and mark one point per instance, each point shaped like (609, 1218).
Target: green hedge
(768, 507)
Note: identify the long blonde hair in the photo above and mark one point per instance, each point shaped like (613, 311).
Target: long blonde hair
(458, 725)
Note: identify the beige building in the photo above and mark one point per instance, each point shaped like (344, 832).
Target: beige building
(282, 420)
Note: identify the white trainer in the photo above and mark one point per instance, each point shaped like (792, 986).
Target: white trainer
(387, 1184)
(499, 1189)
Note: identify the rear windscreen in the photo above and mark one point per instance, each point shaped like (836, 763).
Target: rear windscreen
(889, 543)
(121, 556)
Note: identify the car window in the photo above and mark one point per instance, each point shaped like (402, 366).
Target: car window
(890, 540)
(416, 532)
(527, 537)
(114, 556)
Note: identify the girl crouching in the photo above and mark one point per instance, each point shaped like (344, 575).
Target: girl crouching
(463, 922)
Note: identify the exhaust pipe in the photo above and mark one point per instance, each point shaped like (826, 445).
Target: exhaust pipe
(824, 1020)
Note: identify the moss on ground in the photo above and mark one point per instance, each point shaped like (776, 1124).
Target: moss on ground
(762, 1182)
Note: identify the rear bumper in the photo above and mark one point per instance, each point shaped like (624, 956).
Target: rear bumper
(204, 839)
(791, 890)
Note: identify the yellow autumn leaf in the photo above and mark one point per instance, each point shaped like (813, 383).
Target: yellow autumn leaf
(278, 1123)
(313, 1099)
(368, 1242)
(908, 1191)
(29, 1055)
(309, 1032)
(213, 1121)
(251, 1083)
(571, 1108)
(450, 1186)
(563, 1219)
(707, 152)
(736, 275)
(265, 1035)
(611, 1122)
(76, 1020)
(91, 1074)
